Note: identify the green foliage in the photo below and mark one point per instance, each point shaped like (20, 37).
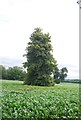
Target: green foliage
(60, 101)
(3, 72)
(60, 75)
(12, 73)
(63, 73)
(72, 81)
(15, 73)
(40, 62)
(57, 75)
(0, 71)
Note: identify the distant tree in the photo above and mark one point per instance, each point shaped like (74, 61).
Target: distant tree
(3, 73)
(63, 73)
(60, 75)
(57, 75)
(40, 63)
(15, 73)
(0, 72)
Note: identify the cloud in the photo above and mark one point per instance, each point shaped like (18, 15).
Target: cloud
(10, 62)
(4, 18)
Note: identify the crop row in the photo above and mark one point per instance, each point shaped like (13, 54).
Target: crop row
(47, 104)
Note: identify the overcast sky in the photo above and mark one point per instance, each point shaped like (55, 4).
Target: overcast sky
(60, 18)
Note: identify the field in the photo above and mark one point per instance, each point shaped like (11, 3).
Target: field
(35, 102)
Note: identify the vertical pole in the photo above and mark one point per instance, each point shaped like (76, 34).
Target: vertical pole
(80, 56)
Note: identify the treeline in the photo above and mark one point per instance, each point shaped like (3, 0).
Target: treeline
(18, 73)
(12, 73)
(72, 81)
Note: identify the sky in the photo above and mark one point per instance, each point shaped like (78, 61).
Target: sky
(60, 18)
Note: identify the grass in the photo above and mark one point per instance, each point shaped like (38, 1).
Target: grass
(18, 86)
(35, 102)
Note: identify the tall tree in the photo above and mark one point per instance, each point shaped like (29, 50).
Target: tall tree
(40, 62)
(63, 73)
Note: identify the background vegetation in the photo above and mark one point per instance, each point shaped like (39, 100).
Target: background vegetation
(12, 73)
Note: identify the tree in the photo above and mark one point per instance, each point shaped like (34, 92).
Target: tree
(57, 75)
(40, 62)
(3, 73)
(63, 73)
(15, 73)
(60, 75)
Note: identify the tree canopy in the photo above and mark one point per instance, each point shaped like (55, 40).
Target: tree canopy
(60, 75)
(12, 73)
(40, 63)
